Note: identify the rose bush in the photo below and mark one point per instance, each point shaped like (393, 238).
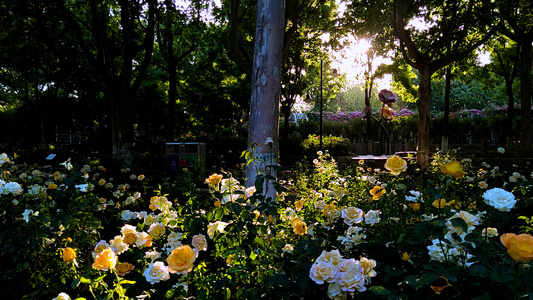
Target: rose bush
(358, 233)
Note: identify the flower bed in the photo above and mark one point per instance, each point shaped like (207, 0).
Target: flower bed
(83, 232)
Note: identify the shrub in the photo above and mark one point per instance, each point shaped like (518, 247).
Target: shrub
(335, 145)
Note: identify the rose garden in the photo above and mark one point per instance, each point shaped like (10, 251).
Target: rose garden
(394, 232)
(291, 149)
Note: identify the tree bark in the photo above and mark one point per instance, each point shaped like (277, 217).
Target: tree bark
(424, 105)
(446, 117)
(266, 89)
(526, 57)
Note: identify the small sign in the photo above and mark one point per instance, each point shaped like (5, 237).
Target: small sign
(50, 157)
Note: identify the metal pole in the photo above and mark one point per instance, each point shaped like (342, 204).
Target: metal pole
(321, 106)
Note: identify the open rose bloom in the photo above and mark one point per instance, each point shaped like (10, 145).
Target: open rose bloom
(519, 247)
(396, 165)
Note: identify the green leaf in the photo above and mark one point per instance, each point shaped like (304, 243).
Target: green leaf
(479, 271)
(458, 222)
(379, 290)
(85, 280)
(427, 278)
(485, 296)
(278, 280)
(236, 207)
(127, 282)
(253, 255)
(219, 213)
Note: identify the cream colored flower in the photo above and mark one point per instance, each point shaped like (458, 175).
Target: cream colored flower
(199, 242)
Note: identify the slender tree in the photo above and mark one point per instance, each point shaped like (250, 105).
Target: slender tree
(458, 29)
(117, 38)
(518, 27)
(505, 58)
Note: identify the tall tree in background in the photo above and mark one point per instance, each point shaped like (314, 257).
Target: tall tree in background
(518, 15)
(266, 87)
(457, 29)
(117, 38)
(505, 56)
(177, 32)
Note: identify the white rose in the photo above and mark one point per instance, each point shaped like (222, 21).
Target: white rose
(26, 215)
(415, 195)
(217, 226)
(334, 290)
(499, 199)
(489, 232)
(13, 188)
(322, 271)
(3, 158)
(127, 215)
(156, 272)
(435, 250)
(333, 257)
(118, 245)
(372, 217)
(153, 255)
(351, 281)
(62, 296)
(352, 215)
(288, 248)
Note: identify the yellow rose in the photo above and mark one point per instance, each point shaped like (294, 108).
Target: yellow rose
(218, 203)
(519, 247)
(214, 179)
(376, 192)
(439, 203)
(107, 259)
(124, 268)
(406, 256)
(453, 168)
(299, 227)
(130, 238)
(415, 206)
(181, 260)
(396, 165)
(298, 204)
(438, 289)
(69, 254)
(52, 186)
(156, 230)
(101, 182)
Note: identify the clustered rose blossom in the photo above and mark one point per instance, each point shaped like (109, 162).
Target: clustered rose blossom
(444, 252)
(343, 275)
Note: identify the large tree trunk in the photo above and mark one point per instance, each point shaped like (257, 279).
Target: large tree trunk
(424, 105)
(525, 93)
(266, 89)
